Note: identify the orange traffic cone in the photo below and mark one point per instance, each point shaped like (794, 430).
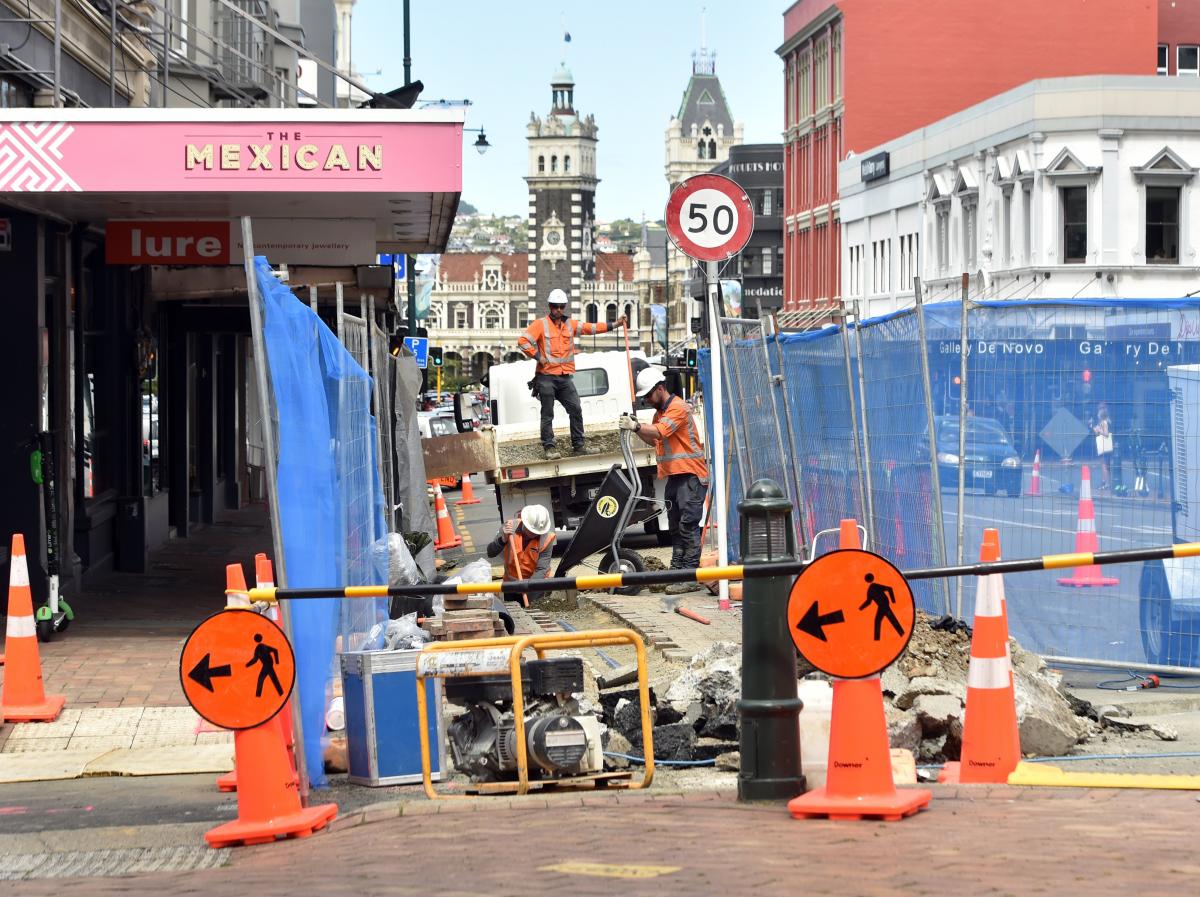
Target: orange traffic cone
(1035, 482)
(468, 492)
(991, 744)
(268, 796)
(1086, 540)
(859, 783)
(23, 698)
(235, 584)
(446, 536)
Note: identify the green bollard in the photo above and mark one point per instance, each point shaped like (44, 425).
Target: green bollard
(769, 707)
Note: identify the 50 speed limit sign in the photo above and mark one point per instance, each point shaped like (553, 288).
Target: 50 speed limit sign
(709, 217)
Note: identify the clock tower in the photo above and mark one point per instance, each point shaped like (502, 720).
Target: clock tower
(562, 197)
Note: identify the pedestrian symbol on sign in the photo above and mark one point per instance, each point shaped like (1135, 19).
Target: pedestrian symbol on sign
(268, 657)
(882, 597)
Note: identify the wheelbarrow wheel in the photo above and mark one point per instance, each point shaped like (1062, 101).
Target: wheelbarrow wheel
(626, 561)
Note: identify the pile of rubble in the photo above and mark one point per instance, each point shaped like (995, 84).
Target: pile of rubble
(924, 695)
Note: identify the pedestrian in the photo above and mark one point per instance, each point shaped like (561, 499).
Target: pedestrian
(1102, 427)
(551, 340)
(681, 461)
(527, 541)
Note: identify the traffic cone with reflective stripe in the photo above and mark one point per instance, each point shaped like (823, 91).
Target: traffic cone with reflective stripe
(23, 698)
(991, 743)
(446, 536)
(1035, 482)
(1086, 540)
(467, 496)
(859, 782)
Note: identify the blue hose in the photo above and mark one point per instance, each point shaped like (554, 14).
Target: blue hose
(658, 762)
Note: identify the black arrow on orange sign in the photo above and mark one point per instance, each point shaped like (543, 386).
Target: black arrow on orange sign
(814, 622)
(205, 674)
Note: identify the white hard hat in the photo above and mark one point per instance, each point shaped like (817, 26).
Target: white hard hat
(648, 379)
(536, 519)
(557, 297)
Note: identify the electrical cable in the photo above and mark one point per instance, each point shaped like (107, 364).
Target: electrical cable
(657, 762)
(28, 29)
(1166, 755)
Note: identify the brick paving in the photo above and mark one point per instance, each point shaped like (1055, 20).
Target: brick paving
(677, 637)
(973, 840)
(123, 648)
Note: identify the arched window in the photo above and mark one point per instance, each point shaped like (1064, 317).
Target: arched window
(491, 320)
(554, 164)
(712, 149)
(566, 164)
(702, 150)
(610, 313)
(629, 315)
(592, 313)
(541, 164)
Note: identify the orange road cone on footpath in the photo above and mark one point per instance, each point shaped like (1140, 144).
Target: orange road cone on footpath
(23, 698)
(446, 536)
(991, 743)
(1035, 482)
(859, 783)
(467, 497)
(235, 582)
(1086, 540)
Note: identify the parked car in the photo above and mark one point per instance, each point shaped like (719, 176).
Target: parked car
(992, 464)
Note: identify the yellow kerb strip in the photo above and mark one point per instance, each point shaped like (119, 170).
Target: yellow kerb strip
(1187, 550)
(1075, 559)
(599, 581)
(708, 574)
(467, 588)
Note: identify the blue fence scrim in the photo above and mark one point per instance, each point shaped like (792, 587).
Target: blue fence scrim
(1072, 385)
(327, 506)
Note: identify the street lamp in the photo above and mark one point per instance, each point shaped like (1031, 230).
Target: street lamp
(481, 143)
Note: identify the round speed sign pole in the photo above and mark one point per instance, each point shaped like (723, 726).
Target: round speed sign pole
(710, 219)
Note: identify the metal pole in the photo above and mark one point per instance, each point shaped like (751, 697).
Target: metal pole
(410, 282)
(866, 432)
(166, 56)
(112, 56)
(858, 457)
(269, 449)
(745, 464)
(780, 379)
(407, 56)
(939, 524)
(718, 450)
(963, 348)
(793, 494)
(58, 54)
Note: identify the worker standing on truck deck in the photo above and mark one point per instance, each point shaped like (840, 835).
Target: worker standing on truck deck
(681, 460)
(551, 340)
(527, 541)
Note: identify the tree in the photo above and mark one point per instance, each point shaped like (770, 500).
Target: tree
(465, 208)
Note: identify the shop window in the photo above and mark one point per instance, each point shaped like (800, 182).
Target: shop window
(1163, 55)
(1187, 61)
(1162, 225)
(1074, 224)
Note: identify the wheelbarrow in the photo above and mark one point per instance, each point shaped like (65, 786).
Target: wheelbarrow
(618, 505)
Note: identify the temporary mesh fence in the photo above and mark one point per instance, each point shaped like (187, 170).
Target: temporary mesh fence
(328, 492)
(1062, 398)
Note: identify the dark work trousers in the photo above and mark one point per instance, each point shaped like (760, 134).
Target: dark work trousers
(685, 493)
(553, 387)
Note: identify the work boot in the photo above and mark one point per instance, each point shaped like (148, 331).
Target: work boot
(681, 588)
(584, 450)
(552, 453)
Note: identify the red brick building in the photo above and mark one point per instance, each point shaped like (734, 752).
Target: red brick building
(861, 72)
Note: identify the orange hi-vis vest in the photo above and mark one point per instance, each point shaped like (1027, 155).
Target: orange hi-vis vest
(522, 553)
(553, 345)
(678, 447)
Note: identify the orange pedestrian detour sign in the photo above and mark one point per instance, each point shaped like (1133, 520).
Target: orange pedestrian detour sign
(237, 669)
(851, 613)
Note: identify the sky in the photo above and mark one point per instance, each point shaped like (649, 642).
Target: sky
(631, 60)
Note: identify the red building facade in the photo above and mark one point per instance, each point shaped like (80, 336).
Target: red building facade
(861, 72)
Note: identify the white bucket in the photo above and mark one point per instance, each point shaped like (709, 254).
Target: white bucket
(814, 730)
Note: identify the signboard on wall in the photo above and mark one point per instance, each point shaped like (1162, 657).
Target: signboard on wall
(874, 167)
(290, 241)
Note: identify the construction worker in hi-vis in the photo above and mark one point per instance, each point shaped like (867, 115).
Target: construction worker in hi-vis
(680, 460)
(527, 541)
(551, 340)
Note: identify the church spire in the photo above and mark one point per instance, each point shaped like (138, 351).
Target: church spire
(704, 62)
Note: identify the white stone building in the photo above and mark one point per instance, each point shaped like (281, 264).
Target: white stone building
(1070, 187)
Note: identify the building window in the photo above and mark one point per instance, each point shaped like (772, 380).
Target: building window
(14, 94)
(610, 313)
(943, 236)
(767, 205)
(1187, 61)
(856, 272)
(970, 233)
(629, 316)
(491, 320)
(554, 164)
(460, 318)
(1006, 226)
(768, 267)
(566, 164)
(541, 164)
(1074, 219)
(592, 313)
(1163, 52)
(522, 318)
(1162, 225)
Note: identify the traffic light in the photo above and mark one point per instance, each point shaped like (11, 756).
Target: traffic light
(435, 356)
(690, 359)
